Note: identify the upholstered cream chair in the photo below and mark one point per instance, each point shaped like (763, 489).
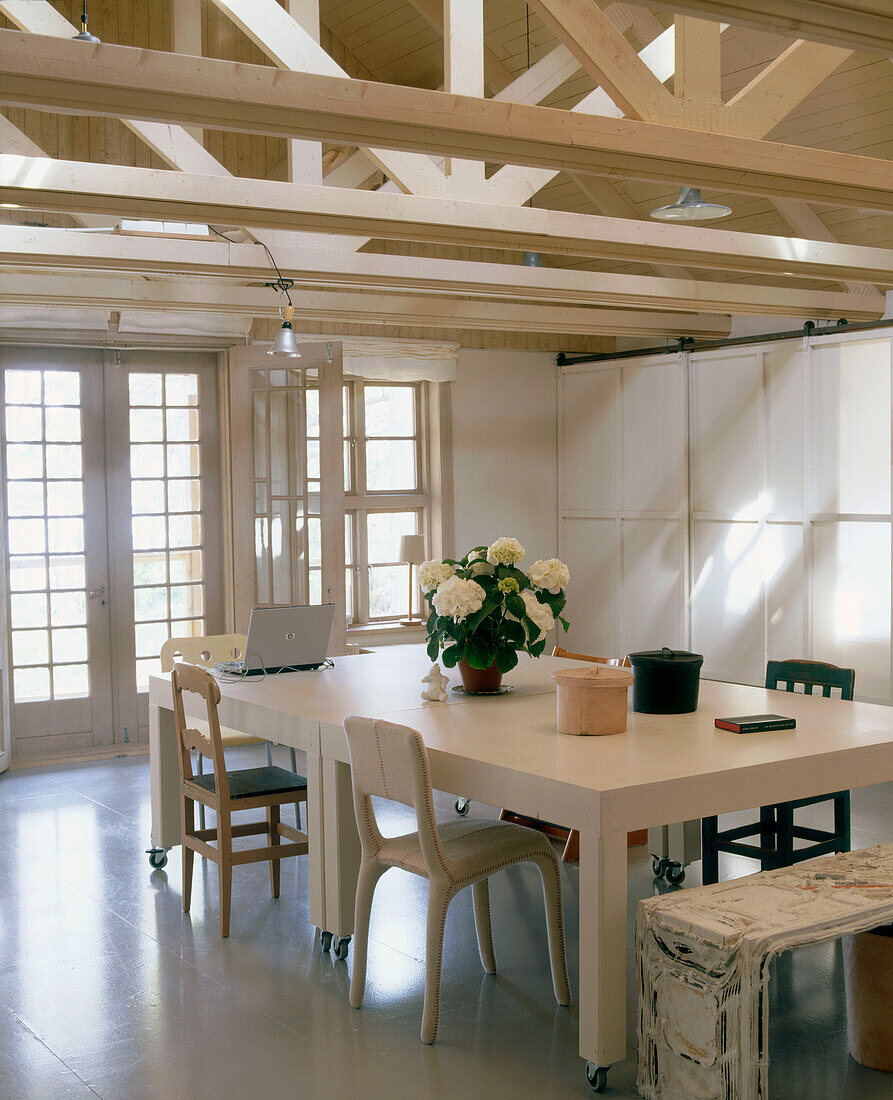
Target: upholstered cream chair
(390, 761)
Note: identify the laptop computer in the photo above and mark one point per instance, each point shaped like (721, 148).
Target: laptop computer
(284, 639)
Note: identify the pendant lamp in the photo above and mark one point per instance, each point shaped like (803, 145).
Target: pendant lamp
(84, 35)
(285, 342)
(691, 206)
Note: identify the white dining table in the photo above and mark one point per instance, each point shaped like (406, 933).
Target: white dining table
(506, 751)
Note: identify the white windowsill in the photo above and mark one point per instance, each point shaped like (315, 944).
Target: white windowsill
(385, 634)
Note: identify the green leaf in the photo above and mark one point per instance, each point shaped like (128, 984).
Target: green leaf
(432, 622)
(452, 656)
(519, 575)
(564, 623)
(506, 658)
(533, 631)
(536, 650)
(478, 653)
(515, 605)
(513, 633)
(475, 620)
(555, 602)
(433, 649)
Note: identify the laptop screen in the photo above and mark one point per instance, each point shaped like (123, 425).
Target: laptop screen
(282, 637)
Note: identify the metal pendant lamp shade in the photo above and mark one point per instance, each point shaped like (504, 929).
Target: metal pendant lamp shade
(84, 35)
(285, 343)
(691, 206)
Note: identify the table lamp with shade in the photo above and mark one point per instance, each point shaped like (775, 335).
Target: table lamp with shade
(412, 551)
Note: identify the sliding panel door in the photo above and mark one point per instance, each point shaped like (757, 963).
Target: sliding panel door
(850, 509)
(623, 501)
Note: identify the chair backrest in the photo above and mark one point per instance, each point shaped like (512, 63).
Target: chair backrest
(390, 761)
(613, 662)
(202, 651)
(192, 678)
(809, 675)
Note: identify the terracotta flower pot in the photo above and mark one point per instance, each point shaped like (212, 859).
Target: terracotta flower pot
(480, 681)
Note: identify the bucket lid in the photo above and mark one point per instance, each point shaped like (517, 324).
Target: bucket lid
(594, 676)
(662, 658)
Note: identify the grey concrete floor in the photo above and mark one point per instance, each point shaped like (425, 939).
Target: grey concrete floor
(107, 989)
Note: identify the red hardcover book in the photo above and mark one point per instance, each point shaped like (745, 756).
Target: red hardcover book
(755, 723)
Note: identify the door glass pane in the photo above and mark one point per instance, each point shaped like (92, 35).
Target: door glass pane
(63, 425)
(65, 498)
(24, 460)
(24, 498)
(166, 493)
(27, 610)
(69, 644)
(147, 496)
(71, 681)
(61, 387)
(30, 684)
(68, 608)
(24, 423)
(23, 387)
(46, 564)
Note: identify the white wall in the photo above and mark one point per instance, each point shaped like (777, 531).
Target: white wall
(505, 454)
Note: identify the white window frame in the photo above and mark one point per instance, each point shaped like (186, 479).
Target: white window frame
(360, 502)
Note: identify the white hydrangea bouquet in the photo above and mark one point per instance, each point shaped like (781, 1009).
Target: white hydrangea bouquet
(484, 607)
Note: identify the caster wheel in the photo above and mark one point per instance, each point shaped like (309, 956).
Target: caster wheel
(326, 940)
(339, 947)
(157, 858)
(675, 874)
(597, 1076)
(462, 805)
(658, 865)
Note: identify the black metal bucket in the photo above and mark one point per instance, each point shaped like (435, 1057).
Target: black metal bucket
(665, 681)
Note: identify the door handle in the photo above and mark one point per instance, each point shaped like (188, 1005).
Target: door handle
(95, 593)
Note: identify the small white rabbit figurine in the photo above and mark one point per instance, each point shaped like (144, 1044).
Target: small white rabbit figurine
(435, 692)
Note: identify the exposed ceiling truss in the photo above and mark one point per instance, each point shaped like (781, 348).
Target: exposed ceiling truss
(431, 147)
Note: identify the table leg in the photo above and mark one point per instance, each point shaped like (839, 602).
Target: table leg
(316, 840)
(603, 952)
(164, 772)
(342, 847)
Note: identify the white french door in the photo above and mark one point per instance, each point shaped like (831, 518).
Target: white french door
(109, 483)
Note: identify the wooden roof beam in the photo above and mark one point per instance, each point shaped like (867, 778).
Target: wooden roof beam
(606, 55)
(143, 192)
(54, 249)
(290, 46)
(53, 75)
(859, 24)
(358, 307)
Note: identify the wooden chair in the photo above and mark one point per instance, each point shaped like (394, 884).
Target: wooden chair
(207, 651)
(570, 836)
(776, 828)
(227, 792)
(391, 761)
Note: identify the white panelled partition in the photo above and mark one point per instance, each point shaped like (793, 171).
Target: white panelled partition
(736, 501)
(624, 498)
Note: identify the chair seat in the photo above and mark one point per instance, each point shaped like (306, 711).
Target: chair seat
(475, 849)
(250, 782)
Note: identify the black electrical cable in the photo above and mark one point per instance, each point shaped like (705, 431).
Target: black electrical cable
(282, 284)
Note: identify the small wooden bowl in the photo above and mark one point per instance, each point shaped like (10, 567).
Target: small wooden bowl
(592, 700)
